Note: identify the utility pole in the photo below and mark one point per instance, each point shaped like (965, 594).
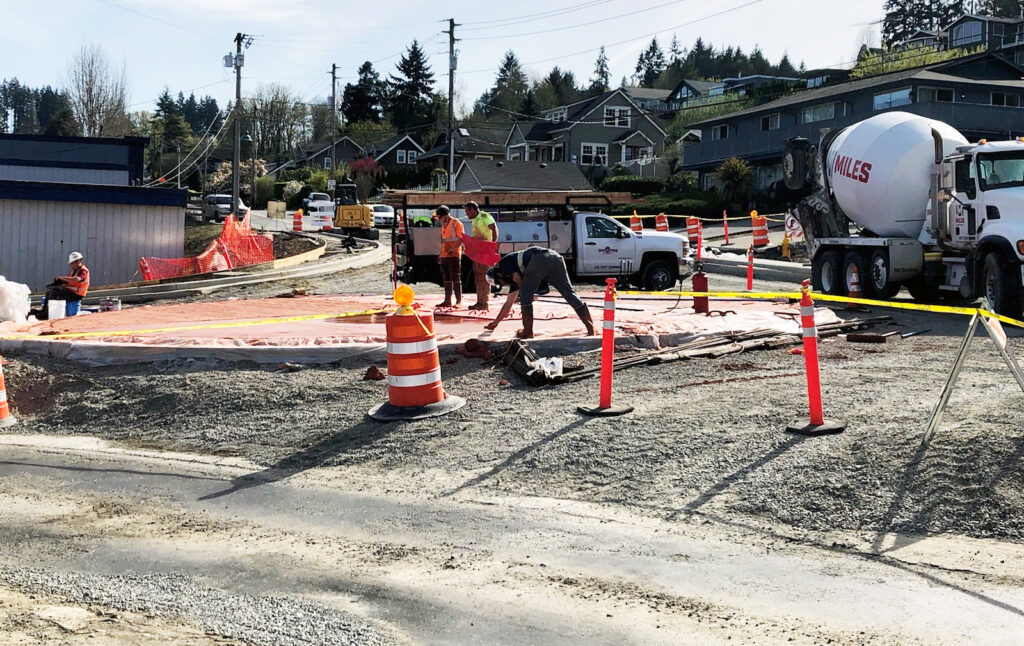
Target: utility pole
(237, 62)
(452, 63)
(334, 126)
(179, 166)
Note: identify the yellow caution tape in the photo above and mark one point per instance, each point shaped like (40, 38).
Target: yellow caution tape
(205, 326)
(919, 307)
(730, 219)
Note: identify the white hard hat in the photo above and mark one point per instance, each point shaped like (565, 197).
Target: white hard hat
(74, 256)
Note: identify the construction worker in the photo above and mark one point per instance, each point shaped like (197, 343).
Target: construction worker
(483, 227)
(71, 288)
(523, 272)
(450, 257)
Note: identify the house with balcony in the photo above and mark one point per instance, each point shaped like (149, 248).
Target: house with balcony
(979, 95)
(599, 131)
(997, 35)
(688, 90)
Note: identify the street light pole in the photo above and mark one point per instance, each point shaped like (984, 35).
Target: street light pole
(237, 114)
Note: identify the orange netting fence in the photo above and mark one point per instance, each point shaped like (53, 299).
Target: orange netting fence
(237, 246)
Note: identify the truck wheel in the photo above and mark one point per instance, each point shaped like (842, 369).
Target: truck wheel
(880, 273)
(826, 272)
(854, 259)
(659, 276)
(1001, 280)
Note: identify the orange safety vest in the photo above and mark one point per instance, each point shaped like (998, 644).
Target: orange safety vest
(81, 286)
(451, 239)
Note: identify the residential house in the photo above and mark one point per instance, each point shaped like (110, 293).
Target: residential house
(599, 131)
(1002, 35)
(923, 39)
(980, 95)
(688, 90)
(318, 155)
(476, 175)
(470, 143)
(400, 151)
(649, 99)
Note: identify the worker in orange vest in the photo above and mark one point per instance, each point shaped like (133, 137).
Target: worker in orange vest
(450, 257)
(71, 288)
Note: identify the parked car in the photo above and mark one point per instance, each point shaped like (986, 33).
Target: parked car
(314, 197)
(217, 207)
(383, 215)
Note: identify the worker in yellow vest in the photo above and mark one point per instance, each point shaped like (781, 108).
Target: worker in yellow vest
(483, 228)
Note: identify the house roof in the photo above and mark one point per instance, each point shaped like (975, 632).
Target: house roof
(974, 16)
(931, 73)
(647, 93)
(577, 112)
(629, 134)
(312, 150)
(493, 175)
(476, 141)
(386, 146)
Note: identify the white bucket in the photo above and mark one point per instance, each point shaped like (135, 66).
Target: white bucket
(55, 309)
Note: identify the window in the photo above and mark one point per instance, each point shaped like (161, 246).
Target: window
(411, 156)
(895, 98)
(557, 115)
(934, 95)
(594, 154)
(965, 178)
(400, 154)
(617, 117)
(820, 112)
(969, 32)
(1001, 170)
(602, 228)
(770, 122)
(817, 81)
(720, 132)
(1006, 99)
(637, 152)
(327, 162)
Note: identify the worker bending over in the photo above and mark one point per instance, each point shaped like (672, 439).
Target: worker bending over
(523, 272)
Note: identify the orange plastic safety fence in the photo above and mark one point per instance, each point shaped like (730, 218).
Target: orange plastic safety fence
(237, 246)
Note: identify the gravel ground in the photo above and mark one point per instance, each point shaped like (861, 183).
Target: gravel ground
(706, 438)
(270, 621)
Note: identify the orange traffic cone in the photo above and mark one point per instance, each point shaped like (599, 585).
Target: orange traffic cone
(6, 419)
(297, 221)
(855, 283)
(415, 390)
(661, 222)
(635, 223)
(401, 222)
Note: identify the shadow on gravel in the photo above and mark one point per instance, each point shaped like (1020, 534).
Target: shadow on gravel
(311, 457)
(728, 480)
(80, 469)
(526, 450)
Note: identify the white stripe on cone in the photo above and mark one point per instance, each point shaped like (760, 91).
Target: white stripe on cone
(411, 381)
(413, 347)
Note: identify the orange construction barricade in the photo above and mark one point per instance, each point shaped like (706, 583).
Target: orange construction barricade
(692, 230)
(297, 220)
(6, 419)
(401, 221)
(415, 390)
(760, 226)
(661, 222)
(635, 223)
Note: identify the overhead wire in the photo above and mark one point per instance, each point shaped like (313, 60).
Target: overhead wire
(577, 25)
(534, 16)
(198, 143)
(211, 143)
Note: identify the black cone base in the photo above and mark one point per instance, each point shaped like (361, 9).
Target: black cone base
(829, 427)
(611, 411)
(388, 413)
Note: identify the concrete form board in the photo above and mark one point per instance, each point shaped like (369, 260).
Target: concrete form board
(36, 237)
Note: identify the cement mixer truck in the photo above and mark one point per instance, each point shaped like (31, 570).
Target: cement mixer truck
(908, 202)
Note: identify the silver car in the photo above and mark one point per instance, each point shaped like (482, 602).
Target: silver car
(383, 215)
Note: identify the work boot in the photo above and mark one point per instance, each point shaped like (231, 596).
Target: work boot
(447, 302)
(458, 293)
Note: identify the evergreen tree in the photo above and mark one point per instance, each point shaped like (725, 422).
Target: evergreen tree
(785, 68)
(509, 89)
(1003, 8)
(649, 65)
(410, 100)
(529, 107)
(904, 17)
(364, 100)
(758, 63)
(557, 88)
(171, 124)
(599, 82)
(674, 53)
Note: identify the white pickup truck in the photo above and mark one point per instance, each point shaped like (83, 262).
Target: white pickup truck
(594, 245)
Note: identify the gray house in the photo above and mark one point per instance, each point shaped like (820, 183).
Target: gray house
(604, 130)
(979, 95)
(397, 152)
(470, 143)
(475, 175)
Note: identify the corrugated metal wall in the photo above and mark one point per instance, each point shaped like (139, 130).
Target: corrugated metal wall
(37, 236)
(67, 175)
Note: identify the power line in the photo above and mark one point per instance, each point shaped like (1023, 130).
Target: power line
(577, 25)
(505, 22)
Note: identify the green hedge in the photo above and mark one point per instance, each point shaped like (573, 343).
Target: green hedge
(634, 184)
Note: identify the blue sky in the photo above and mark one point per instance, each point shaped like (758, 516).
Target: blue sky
(180, 44)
